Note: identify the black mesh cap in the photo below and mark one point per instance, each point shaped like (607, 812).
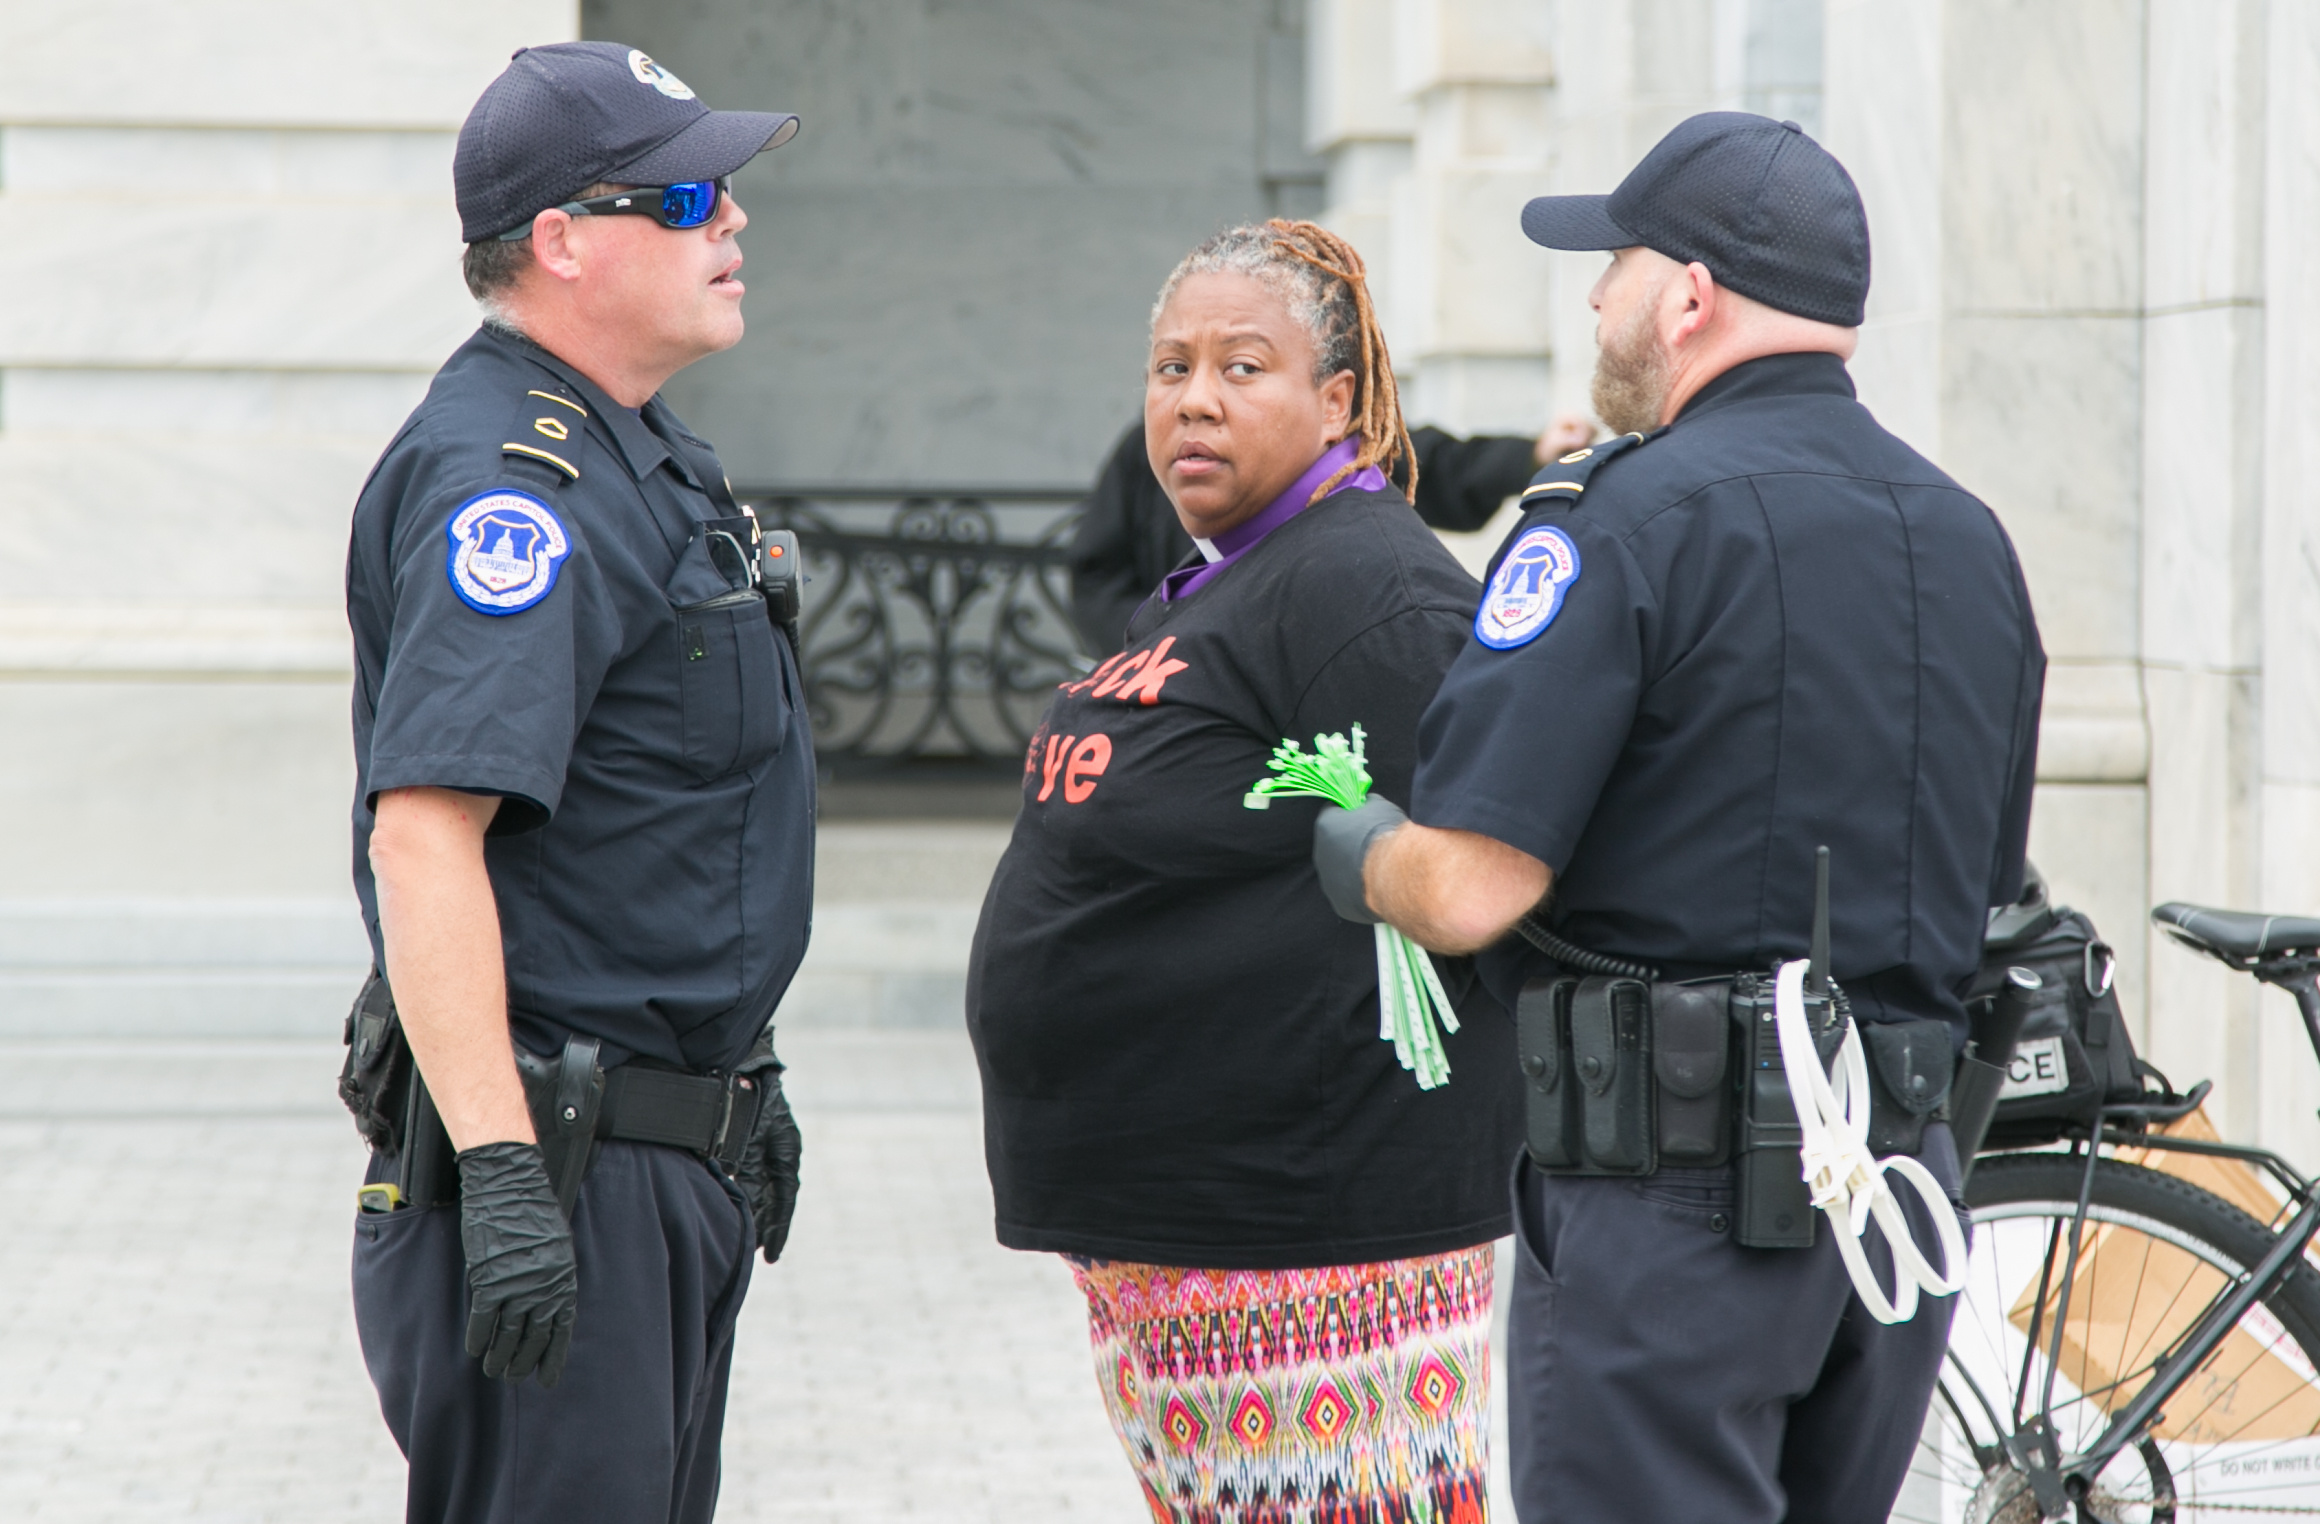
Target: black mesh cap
(562, 117)
(1770, 212)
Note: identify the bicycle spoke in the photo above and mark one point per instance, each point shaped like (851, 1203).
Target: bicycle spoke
(2037, 1318)
(2233, 1438)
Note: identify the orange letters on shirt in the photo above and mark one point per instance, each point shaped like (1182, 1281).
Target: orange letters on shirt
(1157, 668)
(1087, 764)
(1057, 748)
(1080, 760)
(1130, 677)
(1098, 675)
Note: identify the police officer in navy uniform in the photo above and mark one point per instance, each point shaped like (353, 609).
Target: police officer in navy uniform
(583, 827)
(1756, 625)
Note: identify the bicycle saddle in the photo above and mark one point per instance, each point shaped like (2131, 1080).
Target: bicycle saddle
(2237, 935)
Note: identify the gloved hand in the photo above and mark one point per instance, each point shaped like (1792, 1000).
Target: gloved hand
(768, 1172)
(1341, 843)
(523, 1286)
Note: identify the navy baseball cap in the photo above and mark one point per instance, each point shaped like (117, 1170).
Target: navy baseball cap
(562, 117)
(1770, 212)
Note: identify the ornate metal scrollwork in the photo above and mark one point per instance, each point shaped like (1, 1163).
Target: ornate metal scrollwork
(935, 625)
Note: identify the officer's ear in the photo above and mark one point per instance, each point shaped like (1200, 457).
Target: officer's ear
(554, 249)
(1693, 299)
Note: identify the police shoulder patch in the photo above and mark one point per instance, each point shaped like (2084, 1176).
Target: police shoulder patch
(506, 547)
(1526, 592)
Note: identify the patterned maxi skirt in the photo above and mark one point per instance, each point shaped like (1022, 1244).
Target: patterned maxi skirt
(1350, 1394)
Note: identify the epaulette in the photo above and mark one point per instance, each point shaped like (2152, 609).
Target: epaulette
(553, 426)
(1567, 477)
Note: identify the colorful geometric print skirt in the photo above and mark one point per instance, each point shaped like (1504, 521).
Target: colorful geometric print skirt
(1350, 1394)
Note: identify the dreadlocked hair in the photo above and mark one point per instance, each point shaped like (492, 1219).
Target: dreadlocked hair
(1322, 280)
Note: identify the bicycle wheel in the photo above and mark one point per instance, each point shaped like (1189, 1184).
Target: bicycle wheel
(2239, 1441)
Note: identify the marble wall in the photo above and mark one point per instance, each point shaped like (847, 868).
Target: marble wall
(231, 259)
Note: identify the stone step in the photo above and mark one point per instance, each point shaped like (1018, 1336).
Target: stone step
(894, 915)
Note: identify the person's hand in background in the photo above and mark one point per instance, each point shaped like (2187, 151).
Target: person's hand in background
(1569, 431)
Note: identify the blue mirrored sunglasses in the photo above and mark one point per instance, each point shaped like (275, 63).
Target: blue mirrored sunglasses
(689, 205)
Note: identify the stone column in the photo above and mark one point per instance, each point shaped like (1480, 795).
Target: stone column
(1882, 114)
(1470, 301)
(2287, 844)
(2202, 454)
(1361, 124)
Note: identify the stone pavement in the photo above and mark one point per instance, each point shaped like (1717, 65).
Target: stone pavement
(176, 1343)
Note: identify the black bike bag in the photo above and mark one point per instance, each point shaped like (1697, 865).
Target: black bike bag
(2074, 1055)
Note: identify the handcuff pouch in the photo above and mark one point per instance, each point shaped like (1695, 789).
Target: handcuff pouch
(375, 1081)
(1910, 1067)
(1691, 1042)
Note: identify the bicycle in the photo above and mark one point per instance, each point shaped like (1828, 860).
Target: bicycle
(2132, 1347)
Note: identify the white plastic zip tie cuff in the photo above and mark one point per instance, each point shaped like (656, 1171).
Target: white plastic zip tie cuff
(1846, 1181)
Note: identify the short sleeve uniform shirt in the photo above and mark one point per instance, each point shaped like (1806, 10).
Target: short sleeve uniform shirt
(1779, 628)
(543, 610)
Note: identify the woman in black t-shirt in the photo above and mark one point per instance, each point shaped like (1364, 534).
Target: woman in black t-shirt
(1285, 1243)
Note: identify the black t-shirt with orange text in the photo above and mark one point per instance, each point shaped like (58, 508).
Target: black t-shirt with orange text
(1178, 1037)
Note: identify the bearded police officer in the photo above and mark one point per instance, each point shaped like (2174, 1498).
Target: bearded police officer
(583, 829)
(1756, 625)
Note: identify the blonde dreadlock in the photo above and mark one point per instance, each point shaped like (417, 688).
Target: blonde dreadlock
(1322, 279)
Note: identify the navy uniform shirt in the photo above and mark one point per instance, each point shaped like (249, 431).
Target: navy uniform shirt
(1771, 627)
(539, 614)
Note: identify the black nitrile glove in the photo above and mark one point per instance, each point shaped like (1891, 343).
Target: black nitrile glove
(768, 1172)
(1341, 842)
(523, 1286)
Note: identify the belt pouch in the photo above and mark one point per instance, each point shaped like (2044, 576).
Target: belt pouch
(1771, 1209)
(1691, 1046)
(1611, 1060)
(375, 1082)
(429, 1175)
(1910, 1065)
(565, 1096)
(1550, 1102)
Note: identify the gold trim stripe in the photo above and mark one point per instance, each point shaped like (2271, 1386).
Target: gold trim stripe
(563, 401)
(558, 461)
(1555, 487)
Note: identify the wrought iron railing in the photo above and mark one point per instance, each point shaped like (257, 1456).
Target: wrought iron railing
(936, 623)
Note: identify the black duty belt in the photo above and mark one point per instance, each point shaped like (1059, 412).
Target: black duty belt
(576, 1104)
(694, 1111)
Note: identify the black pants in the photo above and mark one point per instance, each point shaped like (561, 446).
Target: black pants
(631, 1433)
(1658, 1373)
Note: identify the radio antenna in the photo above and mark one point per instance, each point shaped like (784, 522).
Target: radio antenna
(1816, 978)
